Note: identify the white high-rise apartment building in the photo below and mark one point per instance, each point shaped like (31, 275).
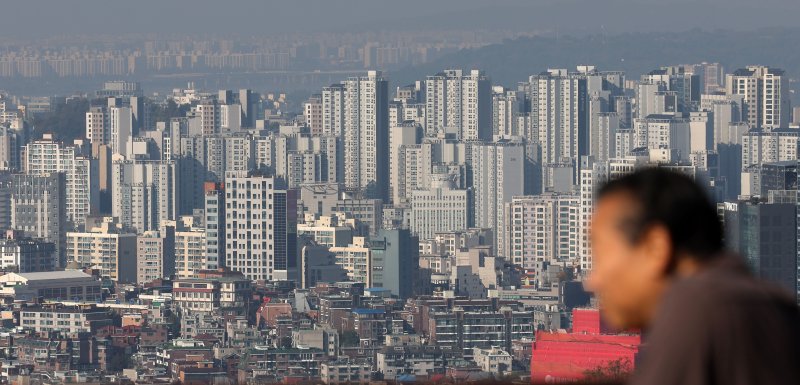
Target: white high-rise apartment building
(214, 224)
(121, 122)
(144, 193)
(356, 259)
(507, 108)
(404, 111)
(442, 208)
(82, 190)
(366, 132)
(210, 117)
(558, 103)
(298, 158)
(191, 248)
(592, 176)
(497, 176)
(230, 117)
(260, 227)
(680, 81)
(411, 170)
(777, 145)
(333, 109)
(438, 155)
(459, 103)
(403, 134)
(603, 135)
(766, 98)
(154, 253)
(303, 167)
(239, 150)
(652, 98)
(98, 128)
(312, 114)
(663, 132)
(544, 228)
(727, 111)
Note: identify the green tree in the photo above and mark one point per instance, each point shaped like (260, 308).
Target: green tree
(349, 338)
(67, 120)
(612, 371)
(165, 112)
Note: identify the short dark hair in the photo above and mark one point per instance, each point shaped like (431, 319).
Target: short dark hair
(674, 201)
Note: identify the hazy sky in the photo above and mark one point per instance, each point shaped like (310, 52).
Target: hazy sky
(38, 18)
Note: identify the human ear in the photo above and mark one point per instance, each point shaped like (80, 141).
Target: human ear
(656, 246)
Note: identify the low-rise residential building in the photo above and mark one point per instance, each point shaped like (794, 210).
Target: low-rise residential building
(26, 254)
(261, 365)
(67, 320)
(366, 211)
(469, 329)
(212, 290)
(493, 360)
(195, 295)
(356, 259)
(324, 338)
(155, 255)
(108, 247)
(51, 285)
(191, 254)
(177, 350)
(327, 230)
(421, 361)
(78, 353)
(345, 372)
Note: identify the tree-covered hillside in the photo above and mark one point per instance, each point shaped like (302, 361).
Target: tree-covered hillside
(634, 53)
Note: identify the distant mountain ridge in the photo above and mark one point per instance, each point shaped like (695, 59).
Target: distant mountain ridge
(635, 53)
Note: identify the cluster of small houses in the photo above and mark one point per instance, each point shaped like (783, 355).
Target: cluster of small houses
(221, 328)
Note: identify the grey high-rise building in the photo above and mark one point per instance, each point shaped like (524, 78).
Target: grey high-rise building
(680, 80)
(395, 261)
(765, 233)
(11, 141)
(38, 209)
(498, 175)
(249, 101)
(778, 176)
(712, 76)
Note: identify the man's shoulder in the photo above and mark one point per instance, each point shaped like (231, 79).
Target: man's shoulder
(727, 285)
(721, 318)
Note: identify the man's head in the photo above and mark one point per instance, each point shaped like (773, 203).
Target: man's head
(646, 227)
